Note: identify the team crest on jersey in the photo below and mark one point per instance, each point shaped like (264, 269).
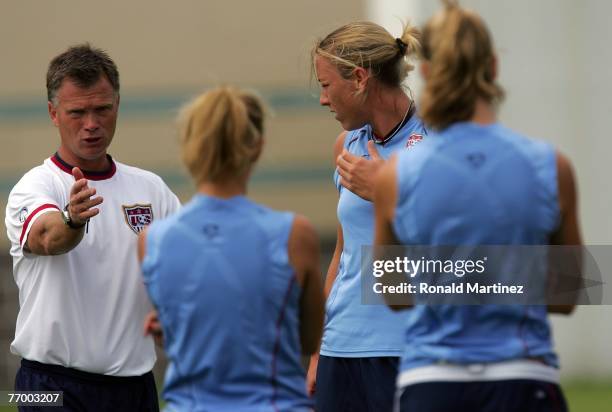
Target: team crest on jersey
(138, 216)
(413, 139)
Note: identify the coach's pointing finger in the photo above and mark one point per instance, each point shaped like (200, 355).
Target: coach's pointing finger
(77, 173)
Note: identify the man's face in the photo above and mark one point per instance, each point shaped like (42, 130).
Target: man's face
(86, 119)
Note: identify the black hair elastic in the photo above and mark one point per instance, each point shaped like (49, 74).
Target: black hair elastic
(402, 46)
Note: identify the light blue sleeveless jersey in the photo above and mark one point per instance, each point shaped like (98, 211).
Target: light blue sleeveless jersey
(354, 329)
(477, 185)
(218, 272)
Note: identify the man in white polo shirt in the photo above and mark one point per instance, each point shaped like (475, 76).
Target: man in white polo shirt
(73, 223)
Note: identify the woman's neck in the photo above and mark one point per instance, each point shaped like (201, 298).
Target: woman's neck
(389, 108)
(484, 113)
(224, 189)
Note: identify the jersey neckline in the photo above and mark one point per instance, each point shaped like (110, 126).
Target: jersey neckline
(405, 120)
(89, 175)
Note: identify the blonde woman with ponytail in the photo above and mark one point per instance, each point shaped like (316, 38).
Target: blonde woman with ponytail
(360, 68)
(236, 285)
(475, 182)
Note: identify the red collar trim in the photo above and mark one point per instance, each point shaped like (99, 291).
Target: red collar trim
(65, 167)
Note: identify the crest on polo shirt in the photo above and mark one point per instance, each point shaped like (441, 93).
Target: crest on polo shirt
(413, 139)
(137, 216)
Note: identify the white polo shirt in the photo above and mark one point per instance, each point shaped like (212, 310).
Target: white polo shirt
(85, 309)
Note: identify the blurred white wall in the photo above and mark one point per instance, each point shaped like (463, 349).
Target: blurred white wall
(555, 61)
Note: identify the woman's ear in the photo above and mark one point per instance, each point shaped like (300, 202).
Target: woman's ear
(360, 78)
(258, 150)
(424, 68)
(494, 67)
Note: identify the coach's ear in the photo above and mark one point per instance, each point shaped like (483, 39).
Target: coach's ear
(52, 113)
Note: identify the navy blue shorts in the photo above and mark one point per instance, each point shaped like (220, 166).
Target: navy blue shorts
(356, 384)
(520, 395)
(88, 392)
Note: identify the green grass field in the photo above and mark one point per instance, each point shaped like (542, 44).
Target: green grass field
(582, 396)
(589, 396)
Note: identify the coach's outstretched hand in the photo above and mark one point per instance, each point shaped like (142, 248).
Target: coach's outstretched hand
(357, 173)
(81, 206)
(49, 234)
